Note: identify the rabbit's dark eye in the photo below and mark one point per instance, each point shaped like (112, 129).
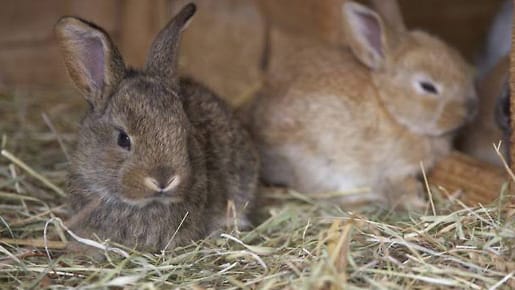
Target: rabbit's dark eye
(428, 87)
(124, 141)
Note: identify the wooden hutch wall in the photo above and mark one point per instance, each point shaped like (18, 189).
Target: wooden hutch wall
(29, 57)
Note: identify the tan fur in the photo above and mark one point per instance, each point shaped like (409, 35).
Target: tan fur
(332, 119)
(390, 12)
(478, 137)
(314, 19)
(223, 46)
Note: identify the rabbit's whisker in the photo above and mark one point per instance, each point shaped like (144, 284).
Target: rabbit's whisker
(152, 184)
(172, 183)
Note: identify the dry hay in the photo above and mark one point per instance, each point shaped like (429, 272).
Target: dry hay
(300, 242)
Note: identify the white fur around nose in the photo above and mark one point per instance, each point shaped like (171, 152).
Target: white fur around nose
(173, 182)
(153, 184)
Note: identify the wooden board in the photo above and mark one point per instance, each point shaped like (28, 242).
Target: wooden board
(462, 23)
(28, 52)
(478, 182)
(27, 25)
(512, 98)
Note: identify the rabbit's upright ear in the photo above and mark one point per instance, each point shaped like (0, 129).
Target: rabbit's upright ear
(93, 62)
(390, 12)
(163, 56)
(365, 34)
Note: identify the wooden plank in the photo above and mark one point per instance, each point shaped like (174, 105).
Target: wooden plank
(461, 23)
(222, 47)
(318, 19)
(480, 182)
(28, 50)
(107, 14)
(31, 66)
(140, 22)
(27, 21)
(24, 22)
(512, 99)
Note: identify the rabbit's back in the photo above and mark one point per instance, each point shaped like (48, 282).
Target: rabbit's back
(357, 130)
(158, 158)
(231, 159)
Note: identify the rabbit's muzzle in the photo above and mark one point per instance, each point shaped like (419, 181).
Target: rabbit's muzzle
(161, 183)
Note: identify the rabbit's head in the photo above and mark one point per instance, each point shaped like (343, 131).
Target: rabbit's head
(424, 84)
(135, 143)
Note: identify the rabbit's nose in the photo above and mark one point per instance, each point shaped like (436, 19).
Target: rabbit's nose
(162, 180)
(162, 187)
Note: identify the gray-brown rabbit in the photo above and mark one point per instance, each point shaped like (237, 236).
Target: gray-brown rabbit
(153, 148)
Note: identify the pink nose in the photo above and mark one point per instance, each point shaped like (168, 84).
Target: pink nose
(155, 185)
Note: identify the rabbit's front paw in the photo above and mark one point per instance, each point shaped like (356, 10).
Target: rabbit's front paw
(405, 194)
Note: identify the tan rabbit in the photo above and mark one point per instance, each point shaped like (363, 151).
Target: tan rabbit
(492, 122)
(333, 119)
(162, 155)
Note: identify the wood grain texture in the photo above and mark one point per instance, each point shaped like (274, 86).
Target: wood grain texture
(28, 51)
(222, 47)
(317, 19)
(512, 99)
(478, 181)
(461, 23)
(140, 22)
(27, 26)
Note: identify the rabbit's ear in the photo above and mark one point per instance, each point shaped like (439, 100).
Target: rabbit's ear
(391, 14)
(365, 34)
(163, 55)
(93, 62)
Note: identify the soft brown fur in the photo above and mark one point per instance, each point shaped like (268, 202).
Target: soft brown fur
(178, 131)
(311, 18)
(223, 47)
(333, 119)
(490, 125)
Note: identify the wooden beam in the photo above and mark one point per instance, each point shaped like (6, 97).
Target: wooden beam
(479, 182)
(140, 22)
(512, 99)
(317, 19)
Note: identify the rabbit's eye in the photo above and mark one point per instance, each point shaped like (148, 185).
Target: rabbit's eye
(428, 87)
(124, 141)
